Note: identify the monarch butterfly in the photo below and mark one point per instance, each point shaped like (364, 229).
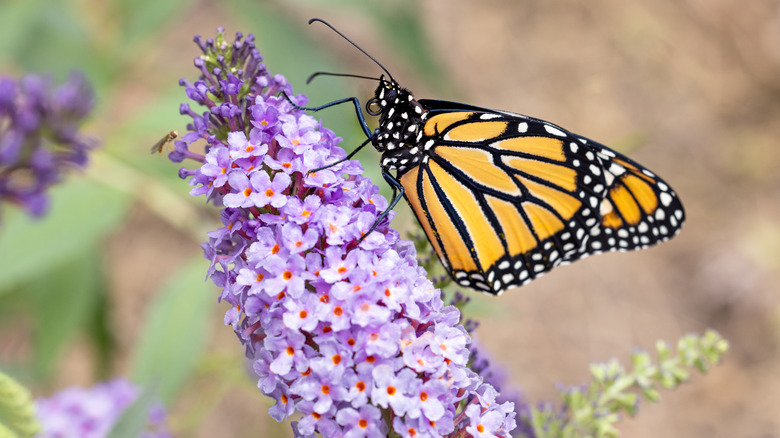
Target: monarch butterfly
(504, 197)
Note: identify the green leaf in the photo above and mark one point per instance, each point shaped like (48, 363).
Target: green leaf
(133, 421)
(62, 301)
(143, 18)
(82, 213)
(175, 331)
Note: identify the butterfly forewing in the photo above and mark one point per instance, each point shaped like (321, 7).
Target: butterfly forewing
(504, 198)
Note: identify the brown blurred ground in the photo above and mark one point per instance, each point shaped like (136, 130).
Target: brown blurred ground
(693, 88)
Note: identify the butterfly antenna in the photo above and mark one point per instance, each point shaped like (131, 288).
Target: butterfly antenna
(348, 75)
(356, 46)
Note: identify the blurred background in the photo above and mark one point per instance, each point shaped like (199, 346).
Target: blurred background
(111, 281)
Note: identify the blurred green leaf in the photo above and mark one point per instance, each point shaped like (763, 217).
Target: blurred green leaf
(51, 36)
(99, 330)
(132, 422)
(62, 301)
(142, 18)
(82, 214)
(174, 333)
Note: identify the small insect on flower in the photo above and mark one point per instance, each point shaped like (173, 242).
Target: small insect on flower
(504, 197)
(169, 137)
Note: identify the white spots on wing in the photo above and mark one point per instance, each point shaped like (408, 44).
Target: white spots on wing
(665, 198)
(554, 131)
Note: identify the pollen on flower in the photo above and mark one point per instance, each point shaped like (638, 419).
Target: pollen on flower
(287, 275)
(391, 390)
(338, 311)
(290, 351)
(423, 396)
(295, 141)
(325, 389)
(284, 399)
(249, 148)
(316, 415)
(275, 249)
(336, 359)
(306, 213)
(303, 314)
(333, 227)
(264, 122)
(357, 288)
(306, 373)
(287, 165)
(281, 295)
(387, 292)
(342, 269)
(269, 192)
(363, 423)
(412, 431)
(365, 307)
(247, 192)
(443, 347)
(371, 359)
(259, 277)
(298, 244)
(325, 299)
(373, 336)
(480, 428)
(224, 170)
(351, 342)
(360, 386)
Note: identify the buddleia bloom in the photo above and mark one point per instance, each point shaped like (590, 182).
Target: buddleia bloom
(341, 324)
(39, 136)
(93, 412)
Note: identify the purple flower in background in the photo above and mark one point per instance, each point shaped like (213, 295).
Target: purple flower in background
(342, 327)
(92, 412)
(39, 137)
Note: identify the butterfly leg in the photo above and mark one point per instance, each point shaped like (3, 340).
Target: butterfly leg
(398, 193)
(354, 101)
(348, 157)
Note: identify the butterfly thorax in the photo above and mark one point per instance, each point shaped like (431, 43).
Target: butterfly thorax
(400, 132)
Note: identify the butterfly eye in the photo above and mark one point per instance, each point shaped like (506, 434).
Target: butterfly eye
(373, 107)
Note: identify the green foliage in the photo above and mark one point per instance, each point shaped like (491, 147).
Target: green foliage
(175, 331)
(17, 410)
(133, 421)
(594, 409)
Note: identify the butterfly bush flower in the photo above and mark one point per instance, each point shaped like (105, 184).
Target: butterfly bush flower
(92, 412)
(341, 324)
(39, 136)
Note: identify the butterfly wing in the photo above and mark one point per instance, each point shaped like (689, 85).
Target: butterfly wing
(504, 198)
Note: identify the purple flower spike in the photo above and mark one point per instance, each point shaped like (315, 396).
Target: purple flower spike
(342, 326)
(39, 137)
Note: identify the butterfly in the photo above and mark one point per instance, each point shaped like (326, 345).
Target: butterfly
(169, 137)
(504, 197)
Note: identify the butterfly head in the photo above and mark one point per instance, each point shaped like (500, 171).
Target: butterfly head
(401, 119)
